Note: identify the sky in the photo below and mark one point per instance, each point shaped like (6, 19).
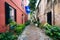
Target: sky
(37, 3)
(28, 2)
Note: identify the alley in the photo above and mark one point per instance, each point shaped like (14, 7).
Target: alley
(33, 33)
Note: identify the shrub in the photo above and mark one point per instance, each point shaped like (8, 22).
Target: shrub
(52, 31)
(27, 23)
(14, 32)
(34, 22)
(19, 29)
(12, 24)
(41, 26)
(8, 36)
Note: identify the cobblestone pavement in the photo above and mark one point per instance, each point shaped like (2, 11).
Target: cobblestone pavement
(32, 32)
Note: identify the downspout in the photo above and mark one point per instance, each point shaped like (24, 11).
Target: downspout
(53, 12)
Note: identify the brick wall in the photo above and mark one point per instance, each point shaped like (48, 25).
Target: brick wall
(19, 11)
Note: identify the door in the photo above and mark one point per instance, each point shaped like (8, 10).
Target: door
(49, 18)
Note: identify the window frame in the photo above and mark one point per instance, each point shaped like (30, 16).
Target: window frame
(8, 9)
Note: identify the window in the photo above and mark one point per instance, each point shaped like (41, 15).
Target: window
(10, 13)
(22, 18)
(22, 3)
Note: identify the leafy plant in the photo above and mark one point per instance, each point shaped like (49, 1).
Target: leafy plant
(8, 36)
(27, 23)
(41, 26)
(12, 25)
(52, 31)
(32, 4)
(19, 29)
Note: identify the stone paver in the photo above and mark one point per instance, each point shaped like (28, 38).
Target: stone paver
(33, 33)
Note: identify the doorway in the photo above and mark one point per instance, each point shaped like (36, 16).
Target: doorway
(49, 18)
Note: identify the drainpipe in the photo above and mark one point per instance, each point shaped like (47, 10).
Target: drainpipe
(53, 14)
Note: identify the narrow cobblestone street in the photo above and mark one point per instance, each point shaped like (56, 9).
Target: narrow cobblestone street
(33, 33)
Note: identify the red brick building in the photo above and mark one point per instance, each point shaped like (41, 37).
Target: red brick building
(13, 9)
